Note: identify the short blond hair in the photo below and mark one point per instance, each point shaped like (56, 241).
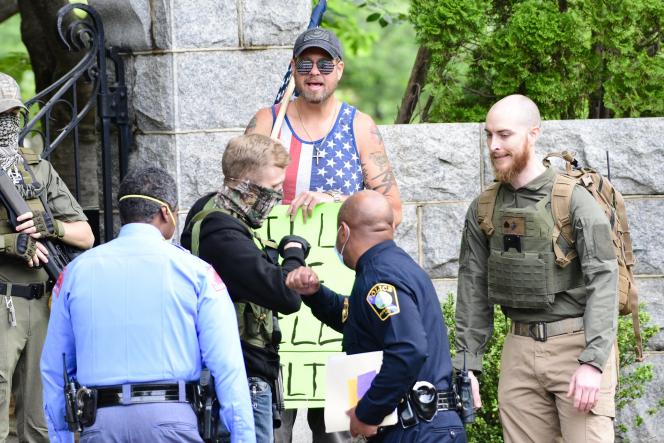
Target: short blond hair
(246, 155)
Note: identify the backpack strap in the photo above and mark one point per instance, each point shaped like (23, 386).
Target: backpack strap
(485, 207)
(32, 156)
(567, 156)
(561, 199)
(210, 207)
(196, 222)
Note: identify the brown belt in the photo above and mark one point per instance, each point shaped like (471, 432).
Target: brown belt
(541, 330)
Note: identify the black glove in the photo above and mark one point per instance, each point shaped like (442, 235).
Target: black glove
(297, 239)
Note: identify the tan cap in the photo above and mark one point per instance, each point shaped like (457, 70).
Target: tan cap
(10, 93)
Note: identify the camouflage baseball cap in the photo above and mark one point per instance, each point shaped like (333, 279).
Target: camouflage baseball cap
(318, 38)
(10, 93)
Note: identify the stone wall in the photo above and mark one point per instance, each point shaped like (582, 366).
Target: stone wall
(197, 73)
(199, 70)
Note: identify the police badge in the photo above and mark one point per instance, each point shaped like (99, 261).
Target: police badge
(383, 300)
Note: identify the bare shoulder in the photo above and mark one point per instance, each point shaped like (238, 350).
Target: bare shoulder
(363, 122)
(260, 123)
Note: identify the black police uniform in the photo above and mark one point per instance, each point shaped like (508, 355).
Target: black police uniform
(393, 308)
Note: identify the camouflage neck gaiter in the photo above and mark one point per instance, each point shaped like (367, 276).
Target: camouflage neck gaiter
(9, 130)
(249, 201)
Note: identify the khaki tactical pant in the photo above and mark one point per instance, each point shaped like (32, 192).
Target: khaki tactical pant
(20, 351)
(534, 380)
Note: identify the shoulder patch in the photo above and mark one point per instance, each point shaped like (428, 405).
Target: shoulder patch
(58, 283)
(215, 281)
(383, 300)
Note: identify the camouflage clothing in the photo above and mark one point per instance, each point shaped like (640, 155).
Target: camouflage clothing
(248, 200)
(22, 345)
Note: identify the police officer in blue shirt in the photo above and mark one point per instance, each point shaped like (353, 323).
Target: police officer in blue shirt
(393, 307)
(136, 318)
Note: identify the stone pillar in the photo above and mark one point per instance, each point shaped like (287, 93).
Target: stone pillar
(198, 72)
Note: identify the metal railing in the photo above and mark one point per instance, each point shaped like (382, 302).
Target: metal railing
(107, 97)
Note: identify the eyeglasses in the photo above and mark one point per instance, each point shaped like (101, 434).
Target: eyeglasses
(325, 66)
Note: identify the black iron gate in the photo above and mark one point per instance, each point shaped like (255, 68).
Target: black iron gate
(107, 97)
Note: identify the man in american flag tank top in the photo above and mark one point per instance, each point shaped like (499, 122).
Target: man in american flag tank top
(335, 151)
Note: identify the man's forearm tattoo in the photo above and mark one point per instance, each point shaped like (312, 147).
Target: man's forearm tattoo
(374, 130)
(384, 181)
(251, 126)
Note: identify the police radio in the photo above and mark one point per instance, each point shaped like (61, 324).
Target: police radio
(465, 392)
(71, 406)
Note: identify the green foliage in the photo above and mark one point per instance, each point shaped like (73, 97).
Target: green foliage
(379, 50)
(14, 58)
(632, 384)
(486, 428)
(574, 58)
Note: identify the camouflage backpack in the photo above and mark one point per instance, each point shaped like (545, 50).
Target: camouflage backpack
(613, 204)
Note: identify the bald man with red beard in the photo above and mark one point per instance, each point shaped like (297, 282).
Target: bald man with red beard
(558, 367)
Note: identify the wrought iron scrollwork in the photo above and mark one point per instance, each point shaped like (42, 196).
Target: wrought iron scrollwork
(85, 35)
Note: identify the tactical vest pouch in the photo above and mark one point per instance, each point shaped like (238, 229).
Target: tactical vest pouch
(520, 280)
(255, 323)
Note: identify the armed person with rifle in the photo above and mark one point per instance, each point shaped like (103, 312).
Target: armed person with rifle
(39, 218)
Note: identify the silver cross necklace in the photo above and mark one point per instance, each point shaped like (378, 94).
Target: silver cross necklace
(317, 155)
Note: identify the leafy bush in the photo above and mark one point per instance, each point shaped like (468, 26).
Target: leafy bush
(580, 59)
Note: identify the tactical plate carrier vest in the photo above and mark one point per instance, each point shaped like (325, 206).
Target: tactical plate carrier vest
(522, 263)
(255, 322)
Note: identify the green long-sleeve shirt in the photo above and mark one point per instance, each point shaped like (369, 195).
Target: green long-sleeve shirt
(596, 300)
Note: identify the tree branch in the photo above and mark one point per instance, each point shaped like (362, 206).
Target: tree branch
(418, 78)
(7, 9)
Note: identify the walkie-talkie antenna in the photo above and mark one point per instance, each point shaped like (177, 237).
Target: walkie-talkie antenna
(608, 166)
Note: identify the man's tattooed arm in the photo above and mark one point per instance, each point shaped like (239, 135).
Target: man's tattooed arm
(376, 133)
(251, 126)
(382, 179)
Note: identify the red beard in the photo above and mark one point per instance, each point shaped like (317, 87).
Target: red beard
(519, 162)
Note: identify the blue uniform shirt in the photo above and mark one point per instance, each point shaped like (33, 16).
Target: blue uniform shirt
(393, 308)
(139, 309)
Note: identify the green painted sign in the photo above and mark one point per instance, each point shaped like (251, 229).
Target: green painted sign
(307, 343)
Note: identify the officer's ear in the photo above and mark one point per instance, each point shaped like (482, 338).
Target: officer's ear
(163, 212)
(345, 231)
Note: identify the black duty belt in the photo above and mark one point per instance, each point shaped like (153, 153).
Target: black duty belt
(447, 401)
(32, 291)
(541, 331)
(131, 394)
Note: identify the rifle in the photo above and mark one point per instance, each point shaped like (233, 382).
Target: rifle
(16, 205)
